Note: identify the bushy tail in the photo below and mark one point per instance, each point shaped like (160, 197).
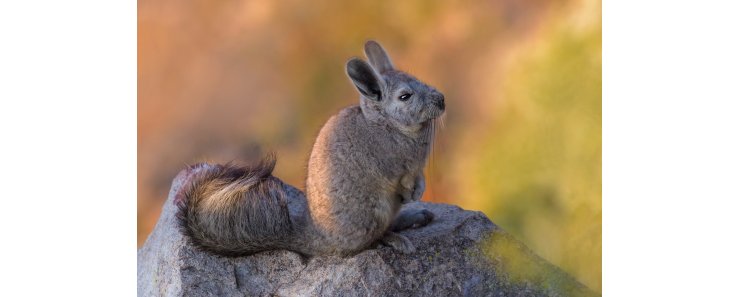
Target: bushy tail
(235, 210)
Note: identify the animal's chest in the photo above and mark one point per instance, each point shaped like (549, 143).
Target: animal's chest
(400, 158)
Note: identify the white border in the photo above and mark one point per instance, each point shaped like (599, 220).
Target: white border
(68, 130)
(671, 132)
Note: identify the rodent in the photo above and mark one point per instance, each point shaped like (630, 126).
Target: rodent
(366, 162)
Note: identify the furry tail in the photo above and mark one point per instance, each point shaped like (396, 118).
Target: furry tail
(235, 210)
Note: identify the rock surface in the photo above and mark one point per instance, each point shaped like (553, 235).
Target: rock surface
(461, 253)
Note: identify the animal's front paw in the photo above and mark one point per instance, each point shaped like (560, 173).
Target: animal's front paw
(417, 193)
(419, 187)
(398, 242)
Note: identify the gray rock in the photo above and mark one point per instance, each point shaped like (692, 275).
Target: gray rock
(461, 253)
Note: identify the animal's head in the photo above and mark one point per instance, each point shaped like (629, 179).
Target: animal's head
(392, 94)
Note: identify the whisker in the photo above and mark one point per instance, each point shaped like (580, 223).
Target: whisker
(431, 134)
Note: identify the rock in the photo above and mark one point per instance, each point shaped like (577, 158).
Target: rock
(461, 253)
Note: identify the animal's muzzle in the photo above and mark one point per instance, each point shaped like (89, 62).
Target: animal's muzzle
(438, 99)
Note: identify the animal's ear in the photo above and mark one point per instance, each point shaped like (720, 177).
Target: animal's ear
(364, 78)
(378, 57)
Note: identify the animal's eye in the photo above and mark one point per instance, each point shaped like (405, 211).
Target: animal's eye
(404, 97)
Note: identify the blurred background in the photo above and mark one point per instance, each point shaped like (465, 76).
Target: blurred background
(521, 142)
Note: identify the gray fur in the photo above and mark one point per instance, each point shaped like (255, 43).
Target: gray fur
(367, 160)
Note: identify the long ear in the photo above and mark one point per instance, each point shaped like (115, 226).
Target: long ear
(378, 57)
(364, 78)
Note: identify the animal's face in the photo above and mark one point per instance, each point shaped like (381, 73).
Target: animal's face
(391, 94)
(409, 101)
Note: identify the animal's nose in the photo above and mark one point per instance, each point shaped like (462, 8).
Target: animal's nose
(438, 99)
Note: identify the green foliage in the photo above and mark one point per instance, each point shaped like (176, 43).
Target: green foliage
(539, 168)
(520, 266)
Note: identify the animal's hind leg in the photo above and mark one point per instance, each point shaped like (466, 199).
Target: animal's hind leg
(412, 218)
